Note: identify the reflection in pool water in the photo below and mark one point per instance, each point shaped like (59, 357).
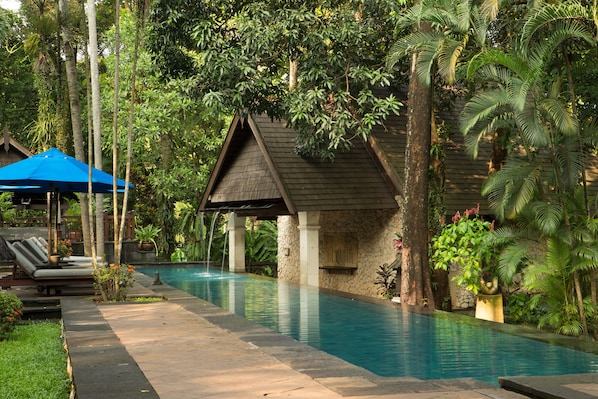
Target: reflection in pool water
(381, 339)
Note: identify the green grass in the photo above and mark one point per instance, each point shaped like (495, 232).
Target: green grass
(144, 299)
(33, 363)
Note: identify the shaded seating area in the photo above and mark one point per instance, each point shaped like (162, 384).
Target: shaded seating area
(27, 271)
(39, 247)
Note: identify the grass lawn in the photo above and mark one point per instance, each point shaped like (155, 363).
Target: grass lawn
(33, 363)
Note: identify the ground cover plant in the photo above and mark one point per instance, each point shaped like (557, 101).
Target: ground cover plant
(33, 363)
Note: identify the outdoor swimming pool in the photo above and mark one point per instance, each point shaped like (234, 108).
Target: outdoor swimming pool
(381, 339)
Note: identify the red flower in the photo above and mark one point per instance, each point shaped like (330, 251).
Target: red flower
(457, 217)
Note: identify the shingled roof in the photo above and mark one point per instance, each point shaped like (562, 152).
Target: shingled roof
(13, 150)
(259, 173)
(463, 175)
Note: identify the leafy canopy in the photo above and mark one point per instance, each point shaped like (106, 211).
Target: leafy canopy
(238, 57)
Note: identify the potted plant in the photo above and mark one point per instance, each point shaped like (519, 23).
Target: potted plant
(64, 248)
(464, 244)
(146, 237)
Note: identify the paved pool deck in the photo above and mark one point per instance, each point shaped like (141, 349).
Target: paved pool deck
(188, 348)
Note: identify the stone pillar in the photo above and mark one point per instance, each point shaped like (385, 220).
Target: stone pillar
(236, 243)
(309, 247)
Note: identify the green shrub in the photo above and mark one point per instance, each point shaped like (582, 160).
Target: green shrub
(11, 309)
(464, 242)
(113, 282)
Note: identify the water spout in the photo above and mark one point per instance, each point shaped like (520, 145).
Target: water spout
(212, 227)
(224, 251)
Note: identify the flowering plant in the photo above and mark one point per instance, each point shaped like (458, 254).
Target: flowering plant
(64, 248)
(11, 310)
(465, 242)
(112, 282)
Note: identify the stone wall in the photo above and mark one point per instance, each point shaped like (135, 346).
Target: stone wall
(371, 232)
(374, 232)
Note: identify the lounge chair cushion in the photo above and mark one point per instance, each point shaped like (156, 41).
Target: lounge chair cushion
(78, 260)
(66, 272)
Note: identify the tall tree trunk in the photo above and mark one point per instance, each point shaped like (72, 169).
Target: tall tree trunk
(96, 115)
(579, 294)
(117, 238)
(75, 107)
(416, 286)
(139, 36)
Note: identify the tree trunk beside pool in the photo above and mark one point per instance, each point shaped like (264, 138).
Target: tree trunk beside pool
(416, 286)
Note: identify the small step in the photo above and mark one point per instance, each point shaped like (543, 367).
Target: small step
(41, 308)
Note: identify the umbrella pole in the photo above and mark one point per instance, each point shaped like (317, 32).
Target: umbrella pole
(56, 220)
(49, 222)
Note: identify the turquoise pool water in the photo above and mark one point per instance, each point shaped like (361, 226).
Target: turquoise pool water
(381, 339)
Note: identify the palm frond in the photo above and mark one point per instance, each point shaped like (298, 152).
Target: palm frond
(565, 122)
(413, 16)
(589, 131)
(587, 261)
(497, 57)
(410, 43)
(448, 56)
(482, 106)
(558, 254)
(548, 216)
(425, 63)
(511, 261)
(547, 15)
(510, 189)
(570, 165)
(463, 10)
(531, 127)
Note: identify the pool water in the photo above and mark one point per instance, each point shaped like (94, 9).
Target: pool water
(381, 339)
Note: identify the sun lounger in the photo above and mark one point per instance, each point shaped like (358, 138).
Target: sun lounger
(26, 273)
(42, 244)
(38, 257)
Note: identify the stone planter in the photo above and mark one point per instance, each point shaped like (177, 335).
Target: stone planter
(461, 298)
(490, 307)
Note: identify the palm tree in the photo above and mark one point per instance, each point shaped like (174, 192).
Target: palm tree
(455, 28)
(540, 181)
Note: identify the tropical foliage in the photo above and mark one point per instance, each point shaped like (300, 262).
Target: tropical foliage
(261, 242)
(541, 192)
(315, 63)
(386, 280)
(464, 243)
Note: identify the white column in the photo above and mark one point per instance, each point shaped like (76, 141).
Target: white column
(309, 247)
(236, 243)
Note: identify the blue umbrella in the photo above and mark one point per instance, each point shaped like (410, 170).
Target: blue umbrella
(54, 171)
